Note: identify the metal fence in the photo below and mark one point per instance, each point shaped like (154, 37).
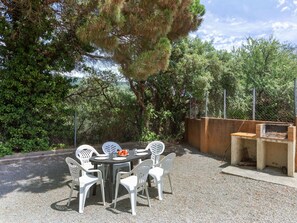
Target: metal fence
(252, 104)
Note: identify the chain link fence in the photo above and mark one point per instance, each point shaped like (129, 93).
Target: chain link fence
(252, 104)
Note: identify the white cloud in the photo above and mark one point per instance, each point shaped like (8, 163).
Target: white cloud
(285, 31)
(284, 26)
(295, 5)
(286, 8)
(281, 2)
(288, 5)
(231, 30)
(227, 33)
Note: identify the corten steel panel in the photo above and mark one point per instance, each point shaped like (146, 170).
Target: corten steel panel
(193, 132)
(215, 133)
(219, 131)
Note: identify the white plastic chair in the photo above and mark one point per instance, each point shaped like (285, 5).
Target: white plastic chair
(160, 170)
(112, 147)
(84, 153)
(134, 181)
(83, 181)
(156, 148)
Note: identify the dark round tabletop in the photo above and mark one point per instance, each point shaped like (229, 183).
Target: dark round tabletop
(120, 159)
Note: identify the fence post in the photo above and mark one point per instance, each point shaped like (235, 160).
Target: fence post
(254, 103)
(75, 128)
(206, 104)
(225, 104)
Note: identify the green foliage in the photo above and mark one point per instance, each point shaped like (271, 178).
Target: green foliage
(31, 108)
(137, 34)
(196, 8)
(38, 41)
(32, 91)
(194, 68)
(270, 67)
(148, 135)
(106, 109)
(5, 150)
(151, 62)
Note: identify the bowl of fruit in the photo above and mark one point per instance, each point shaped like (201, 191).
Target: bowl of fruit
(123, 152)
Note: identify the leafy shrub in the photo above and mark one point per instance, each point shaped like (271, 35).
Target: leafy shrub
(4, 150)
(148, 135)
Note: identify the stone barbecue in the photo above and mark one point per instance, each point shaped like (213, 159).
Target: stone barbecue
(274, 131)
(275, 146)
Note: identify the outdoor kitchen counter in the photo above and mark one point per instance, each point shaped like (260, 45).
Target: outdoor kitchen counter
(237, 145)
(273, 148)
(244, 135)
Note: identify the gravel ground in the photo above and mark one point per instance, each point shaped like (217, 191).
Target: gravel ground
(36, 190)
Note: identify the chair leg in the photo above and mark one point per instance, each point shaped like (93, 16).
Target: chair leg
(70, 195)
(83, 191)
(160, 189)
(133, 195)
(102, 191)
(116, 195)
(82, 198)
(170, 183)
(147, 196)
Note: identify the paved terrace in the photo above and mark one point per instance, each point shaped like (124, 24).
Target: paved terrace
(36, 190)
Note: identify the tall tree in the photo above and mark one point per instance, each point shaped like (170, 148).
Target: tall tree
(270, 67)
(138, 33)
(195, 68)
(35, 45)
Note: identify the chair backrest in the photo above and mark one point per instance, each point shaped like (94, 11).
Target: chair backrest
(167, 163)
(156, 148)
(141, 171)
(74, 168)
(110, 147)
(84, 153)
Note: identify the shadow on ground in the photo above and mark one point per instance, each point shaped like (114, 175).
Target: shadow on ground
(39, 175)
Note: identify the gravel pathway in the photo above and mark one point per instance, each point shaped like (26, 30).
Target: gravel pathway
(36, 190)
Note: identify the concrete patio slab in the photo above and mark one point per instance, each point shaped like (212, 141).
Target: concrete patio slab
(269, 174)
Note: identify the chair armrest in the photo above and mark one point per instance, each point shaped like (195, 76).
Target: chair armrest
(122, 174)
(93, 171)
(99, 172)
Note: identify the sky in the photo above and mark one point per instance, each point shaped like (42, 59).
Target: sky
(228, 23)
